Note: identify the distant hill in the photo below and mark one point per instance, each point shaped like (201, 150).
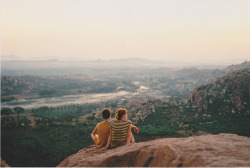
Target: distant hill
(56, 63)
(230, 94)
(14, 66)
(10, 57)
(236, 67)
(12, 86)
(224, 105)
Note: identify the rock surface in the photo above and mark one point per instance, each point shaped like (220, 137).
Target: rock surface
(223, 150)
(3, 163)
(232, 91)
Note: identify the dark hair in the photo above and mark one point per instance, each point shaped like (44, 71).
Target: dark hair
(119, 113)
(106, 113)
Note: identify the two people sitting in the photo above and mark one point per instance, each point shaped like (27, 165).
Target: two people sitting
(113, 133)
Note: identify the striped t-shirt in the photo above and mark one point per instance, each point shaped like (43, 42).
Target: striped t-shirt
(119, 129)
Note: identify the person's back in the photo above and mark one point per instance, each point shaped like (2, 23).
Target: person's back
(101, 132)
(120, 131)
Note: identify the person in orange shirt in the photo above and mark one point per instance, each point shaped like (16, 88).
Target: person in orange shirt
(101, 132)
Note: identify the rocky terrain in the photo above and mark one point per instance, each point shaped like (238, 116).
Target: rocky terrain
(223, 150)
(221, 106)
(3, 163)
(231, 93)
(236, 67)
(225, 101)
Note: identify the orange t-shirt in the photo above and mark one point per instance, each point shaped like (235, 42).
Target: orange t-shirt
(103, 134)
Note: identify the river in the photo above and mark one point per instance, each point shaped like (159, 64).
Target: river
(64, 100)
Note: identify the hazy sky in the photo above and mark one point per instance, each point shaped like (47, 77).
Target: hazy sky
(213, 31)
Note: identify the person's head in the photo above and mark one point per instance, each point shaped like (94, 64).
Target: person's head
(106, 113)
(120, 113)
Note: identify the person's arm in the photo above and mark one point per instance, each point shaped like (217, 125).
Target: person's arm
(94, 134)
(128, 135)
(135, 129)
(109, 139)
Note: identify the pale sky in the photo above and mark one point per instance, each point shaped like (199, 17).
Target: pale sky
(212, 31)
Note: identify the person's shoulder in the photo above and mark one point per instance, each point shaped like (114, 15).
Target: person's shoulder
(98, 124)
(128, 121)
(103, 123)
(112, 121)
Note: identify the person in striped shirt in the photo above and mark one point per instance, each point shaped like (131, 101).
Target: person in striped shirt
(120, 129)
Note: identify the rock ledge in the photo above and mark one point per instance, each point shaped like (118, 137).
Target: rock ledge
(223, 150)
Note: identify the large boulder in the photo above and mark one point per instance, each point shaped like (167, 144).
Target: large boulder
(223, 150)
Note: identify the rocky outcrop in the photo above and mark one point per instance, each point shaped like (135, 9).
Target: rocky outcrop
(229, 92)
(243, 65)
(3, 163)
(198, 99)
(223, 150)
